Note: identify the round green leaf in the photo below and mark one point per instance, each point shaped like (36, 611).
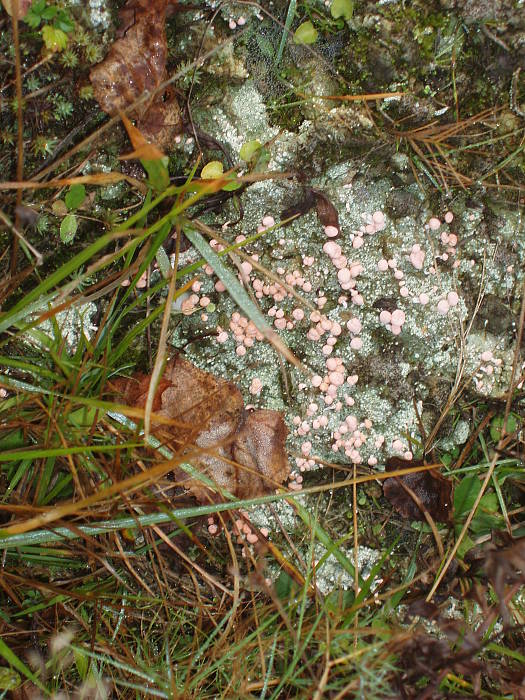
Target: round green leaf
(305, 33)
(68, 228)
(342, 8)
(75, 196)
(212, 170)
(248, 149)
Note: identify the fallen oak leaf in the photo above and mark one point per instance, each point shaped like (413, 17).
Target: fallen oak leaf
(242, 452)
(433, 491)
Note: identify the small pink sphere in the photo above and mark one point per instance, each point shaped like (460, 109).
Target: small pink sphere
(344, 275)
(356, 343)
(316, 380)
(337, 378)
(332, 249)
(378, 217)
(298, 314)
(403, 292)
(398, 317)
(434, 224)
(357, 242)
(268, 221)
(449, 217)
(385, 316)
(340, 262)
(395, 330)
(332, 363)
(354, 325)
(452, 298)
(397, 445)
(331, 231)
(240, 350)
(222, 337)
(443, 306)
(382, 265)
(423, 298)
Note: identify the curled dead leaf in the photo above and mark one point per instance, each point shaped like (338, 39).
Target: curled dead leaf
(432, 490)
(135, 64)
(241, 451)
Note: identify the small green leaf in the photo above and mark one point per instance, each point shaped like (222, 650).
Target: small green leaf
(283, 585)
(63, 21)
(342, 8)
(32, 19)
(234, 184)
(496, 426)
(465, 495)
(75, 196)
(212, 170)
(68, 228)
(248, 149)
(49, 12)
(305, 33)
(54, 39)
(158, 175)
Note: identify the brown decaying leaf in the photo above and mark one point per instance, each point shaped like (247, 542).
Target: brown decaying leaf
(136, 63)
(326, 212)
(432, 489)
(23, 7)
(243, 451)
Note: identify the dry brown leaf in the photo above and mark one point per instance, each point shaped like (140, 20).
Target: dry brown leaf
(432, 490)
(23, 7)
(136, 63)
(242, 451)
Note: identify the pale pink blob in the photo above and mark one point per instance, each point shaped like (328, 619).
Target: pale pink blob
(403, 292)
(378, 217)
(424, 298)
(331, 231)
(382, 265)
(268, 221)
(332, 249)
(397, 445)
(222, 337)
(219, 286)
(434, 224)
(443, 306)
(337, 378)
(357, 242)
(356, 343)
(316, 380)
(354, 325)
(395, 330)
(344, 275)
(452, 298)
(240, 350)
(449, 217)
(398, 317)
(385, 316)
(298, 314)
(332, 363)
